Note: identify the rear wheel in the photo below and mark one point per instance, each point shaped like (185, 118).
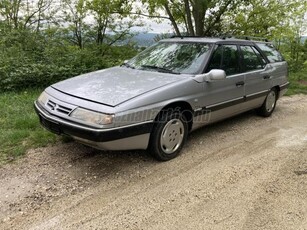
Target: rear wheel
(168, 136)
(269, 104)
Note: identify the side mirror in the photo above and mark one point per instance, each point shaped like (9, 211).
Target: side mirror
(213, 75)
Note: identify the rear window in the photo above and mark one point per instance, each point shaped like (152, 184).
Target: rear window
(270, 51)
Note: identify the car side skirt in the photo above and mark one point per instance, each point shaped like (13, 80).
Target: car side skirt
(220, 111)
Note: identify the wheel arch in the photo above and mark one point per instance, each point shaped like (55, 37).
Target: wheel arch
(181, 106)
(277, 88)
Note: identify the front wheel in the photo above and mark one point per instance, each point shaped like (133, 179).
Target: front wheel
(269, 104)
(168, 136)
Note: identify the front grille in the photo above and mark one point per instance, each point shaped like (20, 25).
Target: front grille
(63, 109)
(57, 107)
(51, 104)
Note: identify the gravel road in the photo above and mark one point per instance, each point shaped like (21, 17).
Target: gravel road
(246, 172)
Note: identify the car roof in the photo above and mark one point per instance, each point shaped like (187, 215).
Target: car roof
(212, 40)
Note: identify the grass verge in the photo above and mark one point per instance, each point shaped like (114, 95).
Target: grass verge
(298, 83)
(19, 125)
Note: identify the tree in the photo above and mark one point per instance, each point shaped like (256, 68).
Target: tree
(212, 17)
(35, 13)
(23, 14)
(75, 14)
(9, 11)
(107, 14)
(279, 20)
(194, 17)
(269, 18)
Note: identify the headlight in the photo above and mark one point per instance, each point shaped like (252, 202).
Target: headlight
(43, 98)
(92, 117)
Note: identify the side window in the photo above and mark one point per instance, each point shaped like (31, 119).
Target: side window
(252, 59)
(225, 57)
(216, 59)
(269, 50)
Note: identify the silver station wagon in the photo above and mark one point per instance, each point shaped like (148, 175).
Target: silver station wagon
(172, 88)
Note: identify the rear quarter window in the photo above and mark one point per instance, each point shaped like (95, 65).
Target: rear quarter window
(270, 52)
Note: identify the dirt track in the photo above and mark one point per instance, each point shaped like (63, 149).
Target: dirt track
(244, 173)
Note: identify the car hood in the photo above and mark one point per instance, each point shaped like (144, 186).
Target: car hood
(115, 85)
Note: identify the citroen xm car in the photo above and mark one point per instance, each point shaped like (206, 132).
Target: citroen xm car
(154, 100)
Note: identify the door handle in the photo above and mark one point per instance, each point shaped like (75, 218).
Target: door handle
(240, 83)
(267, 77)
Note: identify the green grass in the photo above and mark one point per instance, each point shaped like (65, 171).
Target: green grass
(19, 125)
(298, 83)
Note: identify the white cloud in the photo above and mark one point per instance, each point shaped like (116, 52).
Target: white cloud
(154, 27)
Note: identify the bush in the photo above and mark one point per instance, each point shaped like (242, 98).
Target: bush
(38, 63)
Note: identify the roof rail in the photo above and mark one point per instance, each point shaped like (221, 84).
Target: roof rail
(186, 36)
(251, 38)
(254, 38)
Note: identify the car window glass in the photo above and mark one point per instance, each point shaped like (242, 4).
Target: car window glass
(216, 59)
(251, 59)
(259, 55)
(269, 50)
(225, 57)
(174, 56)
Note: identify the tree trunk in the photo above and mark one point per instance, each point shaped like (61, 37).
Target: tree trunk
(16, 8)
(199, 10)
(78, 34)
(189, 18)
(172, 19)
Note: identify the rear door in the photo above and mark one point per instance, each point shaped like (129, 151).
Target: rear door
(258, 76)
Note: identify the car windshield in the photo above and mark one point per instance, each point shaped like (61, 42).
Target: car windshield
(171, 57)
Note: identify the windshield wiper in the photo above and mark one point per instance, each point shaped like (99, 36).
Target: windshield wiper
(159, 69)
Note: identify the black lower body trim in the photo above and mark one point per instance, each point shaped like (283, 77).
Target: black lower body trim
(230, 103)
(97, 136)
(255, 96)
(284, 86)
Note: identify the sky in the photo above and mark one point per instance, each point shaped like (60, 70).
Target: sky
(164, 26)
(150, 24)
(153, 27)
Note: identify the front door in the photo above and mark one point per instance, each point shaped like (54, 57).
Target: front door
(223, 98)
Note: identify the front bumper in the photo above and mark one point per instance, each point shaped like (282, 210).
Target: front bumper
(134, 136)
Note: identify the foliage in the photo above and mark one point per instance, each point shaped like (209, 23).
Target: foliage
(19, 126)
(274, 19)
(298, 82)
(31, 60)
(196, 17)
(40, 46)
(269, 18)
(45, 41)
(295, 52)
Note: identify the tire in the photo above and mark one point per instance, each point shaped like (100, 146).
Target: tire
(269, 104)
(168, 136)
